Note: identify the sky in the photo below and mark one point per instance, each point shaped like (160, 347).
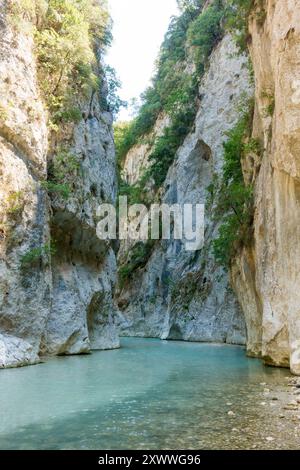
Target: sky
(139, 29)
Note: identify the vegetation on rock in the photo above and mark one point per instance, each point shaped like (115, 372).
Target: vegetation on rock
(137, 258)
(36, 254)
(238, 13)
(65, 47)
(62, 174)
(187, 46)
(233, 200)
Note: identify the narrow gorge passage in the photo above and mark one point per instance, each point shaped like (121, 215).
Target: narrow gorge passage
(149, 224)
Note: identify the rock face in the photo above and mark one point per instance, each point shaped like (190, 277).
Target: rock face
(181, 294)
(62, 303)
(137, 157)
(24, 209)
(84, 268)
(266, 277)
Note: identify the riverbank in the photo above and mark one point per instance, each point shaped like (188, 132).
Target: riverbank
(280, 428)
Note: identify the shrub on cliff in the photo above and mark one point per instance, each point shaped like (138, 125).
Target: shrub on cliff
(65, 50)
(238, 13)
(233, 206)
(205, 32)
(66, 33)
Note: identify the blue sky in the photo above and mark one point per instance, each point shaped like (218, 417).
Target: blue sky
(139, 28)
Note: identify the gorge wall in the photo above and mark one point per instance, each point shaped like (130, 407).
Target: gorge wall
(266, 275)
(56, 277)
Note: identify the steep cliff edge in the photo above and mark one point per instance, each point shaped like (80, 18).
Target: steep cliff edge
(56, 277)
(266, 276)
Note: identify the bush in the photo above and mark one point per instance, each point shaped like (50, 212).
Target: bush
(171, 89)
(62, 174)
(112, 101)
(65, 41)
(23, 11)
(205, 32)
(235, 210)
(137, 258)
(15, 201)
(167, 145)
(237, 18)
(64, 167)
(185, 5)
(270, 99)
(234, 205)
(36, 254)
(68, 115)
(64, 190)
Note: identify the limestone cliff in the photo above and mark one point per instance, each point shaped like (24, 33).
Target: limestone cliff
(56, 277)
(266, 276)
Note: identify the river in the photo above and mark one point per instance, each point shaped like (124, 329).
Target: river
(149, 394)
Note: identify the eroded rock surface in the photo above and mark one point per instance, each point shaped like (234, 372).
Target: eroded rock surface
(267, 278)
(50, 303)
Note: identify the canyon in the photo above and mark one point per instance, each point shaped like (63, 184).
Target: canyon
(63, 291)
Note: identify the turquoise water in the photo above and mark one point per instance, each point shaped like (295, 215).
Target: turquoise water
(149, 394)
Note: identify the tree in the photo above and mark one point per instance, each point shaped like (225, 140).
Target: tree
(184, 5)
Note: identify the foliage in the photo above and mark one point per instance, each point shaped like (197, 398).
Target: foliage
(64, 166)
(35, 255)
(22, 11)
(234, 205)
(112, 101)
(174, 89)
(205, 32)
(63, 190)
(65, 50)
(15, 201)
(3, 113)
(120, 135)
(166, 146)
(66, 32)
(171, 86)
(72, 114)
(184, 5)
(62, 173)
(137, 258)
(134, 192)
(237, 18)
(270, 99)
